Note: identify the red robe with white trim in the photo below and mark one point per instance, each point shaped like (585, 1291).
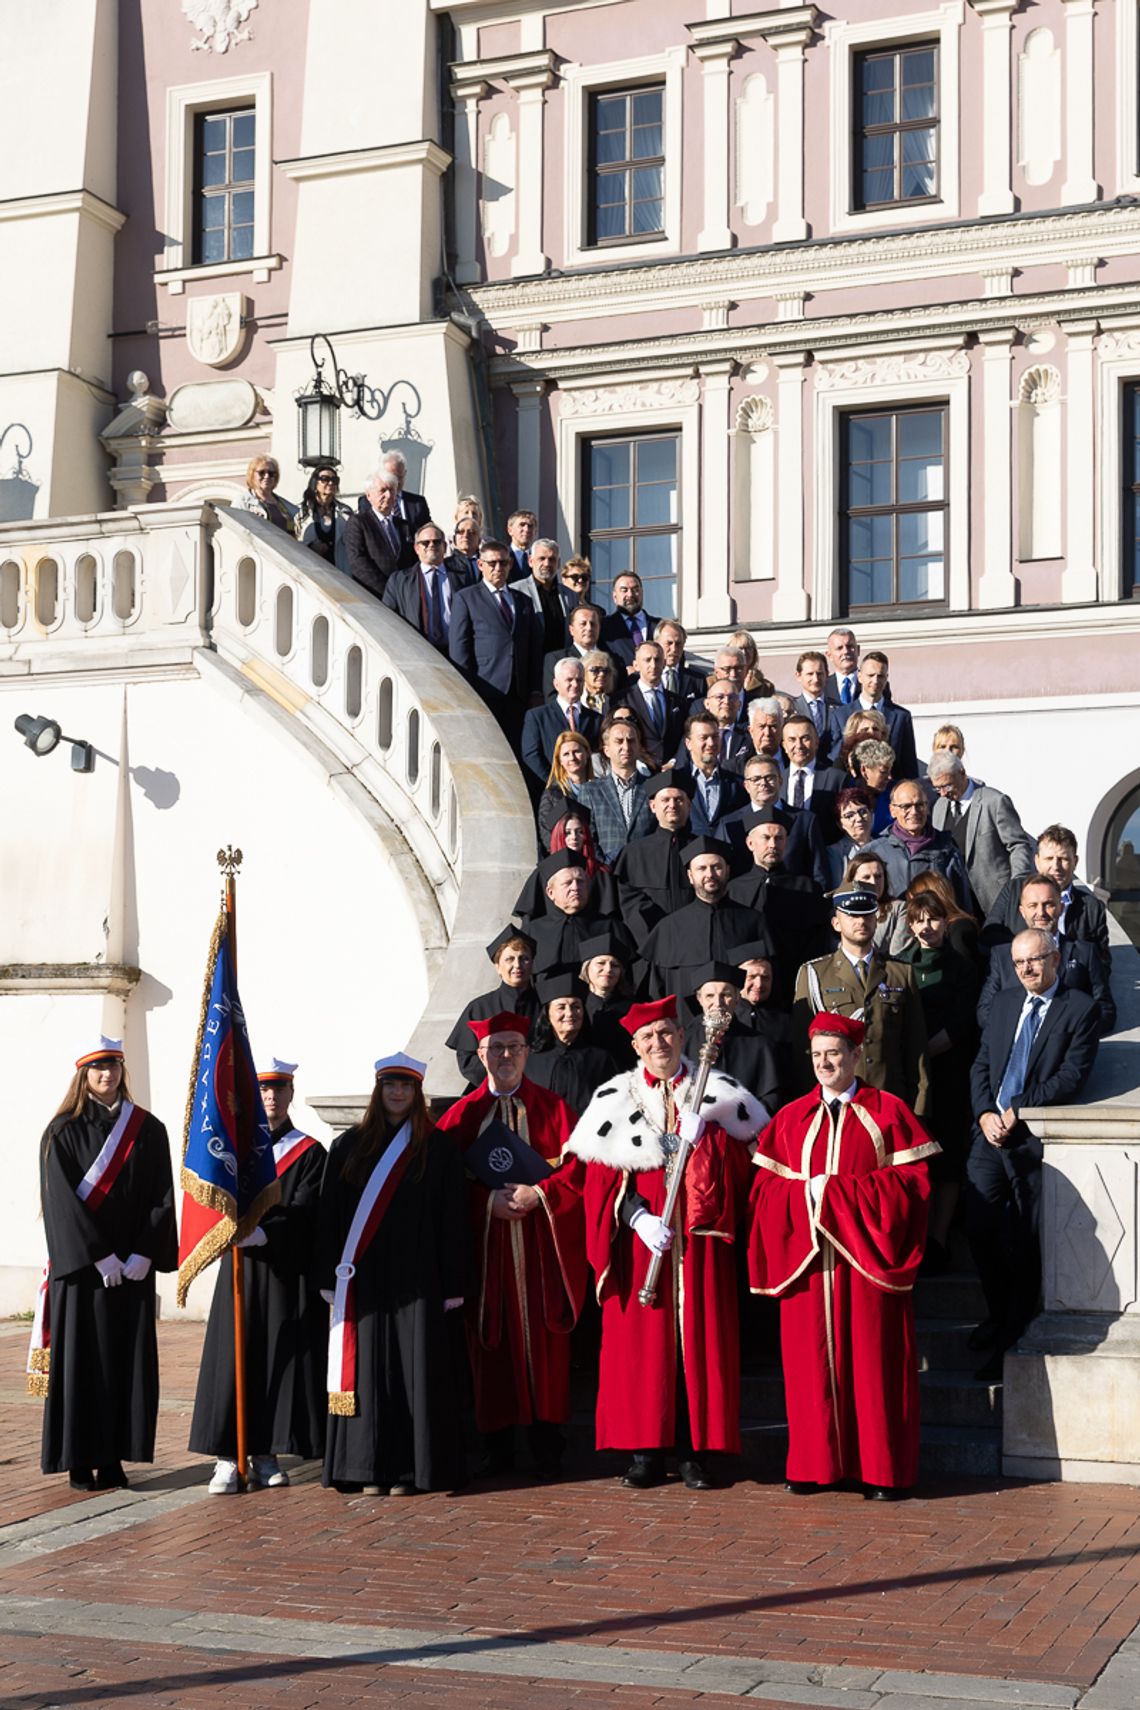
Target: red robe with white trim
(615, 1149)
(844, 1272)
(531, 1272)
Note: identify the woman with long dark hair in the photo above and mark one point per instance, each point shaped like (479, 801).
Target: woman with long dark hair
(392, 1260)
(321, 518)
(108, 1208)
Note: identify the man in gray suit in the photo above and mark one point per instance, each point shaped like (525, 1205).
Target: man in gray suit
(552, 602)
(984, 824)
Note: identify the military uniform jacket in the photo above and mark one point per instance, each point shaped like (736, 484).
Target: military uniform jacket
(887, 1002)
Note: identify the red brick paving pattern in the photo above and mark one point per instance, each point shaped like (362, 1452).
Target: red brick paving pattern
(1022, 1581)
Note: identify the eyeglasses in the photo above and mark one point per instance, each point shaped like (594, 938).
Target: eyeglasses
(574, 577)
(433, 540)
(1028, 962)
(327, 481)
(909, 807)
(505, 1050)
(494, 563)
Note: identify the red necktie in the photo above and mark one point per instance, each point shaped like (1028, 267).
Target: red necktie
(572, 716)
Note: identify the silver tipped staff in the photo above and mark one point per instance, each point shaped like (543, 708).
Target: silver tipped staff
(717, 1024)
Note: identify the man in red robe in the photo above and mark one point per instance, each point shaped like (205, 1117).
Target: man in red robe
(838, 1225)
(669, 1373)
(531, 1273)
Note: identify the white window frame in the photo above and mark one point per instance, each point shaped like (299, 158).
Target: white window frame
(183, 104)
(1127, 98)
(681, 419)
(844, 42)
(830, 406)
(579, 82)
(1113, 374)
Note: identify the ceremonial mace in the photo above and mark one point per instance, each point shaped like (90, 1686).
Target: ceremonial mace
(717, 1023)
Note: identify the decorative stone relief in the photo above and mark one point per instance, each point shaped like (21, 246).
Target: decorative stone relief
(1039, 107)
(614, 400)
(1114, 346)
(755, 415)
(214, 329)
(893, 370)
(212, 404)
(219, 23)
(498, 190)
(1040, 385)
(755, 150)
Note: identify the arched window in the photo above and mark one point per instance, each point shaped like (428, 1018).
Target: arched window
(1121, 866)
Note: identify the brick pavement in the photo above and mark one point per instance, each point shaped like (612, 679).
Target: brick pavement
(1011, 1582)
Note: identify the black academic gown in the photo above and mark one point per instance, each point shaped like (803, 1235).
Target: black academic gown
(462, 1041)
(560, 937)
(574, 1071)
(102, 1400)
(796, 915)
(286, 1334)
(607, 1031)
(408, 1350)
(745, 1055)
(699, 932)
(651, 880)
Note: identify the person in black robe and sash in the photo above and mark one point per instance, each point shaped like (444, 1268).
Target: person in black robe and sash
(108, 1208)
(392, 1275)
(286, 1321)
(563, 1056)
(512, 955)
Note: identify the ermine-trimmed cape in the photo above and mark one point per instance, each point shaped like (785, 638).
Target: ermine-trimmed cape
(624, 1121)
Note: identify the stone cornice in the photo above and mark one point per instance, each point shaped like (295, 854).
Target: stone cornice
(814, 266)
(423, 152)
(508, 68)
(23, 978)
(770, 25)
(64, 202)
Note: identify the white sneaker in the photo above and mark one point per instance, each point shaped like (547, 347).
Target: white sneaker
(225, 1479)
(263, 1469)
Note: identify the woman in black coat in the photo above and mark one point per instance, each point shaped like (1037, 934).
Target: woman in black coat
(563, 1055)
(394, 1393)
(108, 1208)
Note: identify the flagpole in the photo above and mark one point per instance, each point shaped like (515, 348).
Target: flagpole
(229, 860)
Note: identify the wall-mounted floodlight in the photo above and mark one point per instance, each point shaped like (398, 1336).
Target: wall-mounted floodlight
(43, 734)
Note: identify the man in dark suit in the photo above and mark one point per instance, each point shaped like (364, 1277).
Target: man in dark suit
(411, 508)
(522, 526)
(495, 641)
(842, 686)
(1079, 971)
(423, 596)
(716, 793)
(874, 696)
(679, 678)
(1042, 908)
(983, 823)
(543, 725)
(659, 711)
(466, 535)
(628, 625)
(805, 853)
(1037, 1048)
(551, 601)
(722, 701)
(809, 785)
(811, 677)
(617, 801)
(1081, 914)
(373, 542)
(583, 624)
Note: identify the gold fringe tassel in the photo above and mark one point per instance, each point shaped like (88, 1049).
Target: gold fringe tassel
(38, 1385)
(343, 1403)
(40, 1366)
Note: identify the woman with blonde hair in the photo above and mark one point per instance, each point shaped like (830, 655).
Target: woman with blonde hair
(755, 681)
(864, 724)
(391, 1259)
(570, 768)
(261, 497)
(108, 1208)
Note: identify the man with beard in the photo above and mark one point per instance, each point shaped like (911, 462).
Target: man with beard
(794, 909)
(650, 871)
(705, 928)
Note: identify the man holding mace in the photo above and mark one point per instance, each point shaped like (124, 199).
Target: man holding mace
(838, 1225)
(669, 1372)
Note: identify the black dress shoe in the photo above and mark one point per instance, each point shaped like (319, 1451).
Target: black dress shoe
(645, 1471)
(81, 1479)
(800, 1487)
(987, 1335)
(695, 1476)
(885, 1493)
(111, 1477)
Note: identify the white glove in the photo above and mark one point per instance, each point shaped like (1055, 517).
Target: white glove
(691, 1126)
(654, 1231)
(816, 1185)
(255, 1238)
(136, 1269)
(327, 1294)
(450, 1305)
(110, 1269)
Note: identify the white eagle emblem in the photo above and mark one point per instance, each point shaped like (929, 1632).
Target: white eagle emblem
(219, 23)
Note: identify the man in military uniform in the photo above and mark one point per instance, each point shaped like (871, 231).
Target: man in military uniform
(861, 981)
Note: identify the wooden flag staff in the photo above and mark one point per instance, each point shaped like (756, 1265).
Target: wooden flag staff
(229, 860)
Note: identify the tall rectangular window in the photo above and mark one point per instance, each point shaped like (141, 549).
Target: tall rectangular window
(626, 164)
(1130, 465)
(896, 126)
(223, 186)
(631, 514)
(894, 510)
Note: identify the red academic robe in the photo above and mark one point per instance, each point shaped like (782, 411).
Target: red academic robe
(531, 1273)
(844, 1272)
(694, 1317)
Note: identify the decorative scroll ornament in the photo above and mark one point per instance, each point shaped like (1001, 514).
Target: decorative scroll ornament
(755, 415)
(613, 400)
(893, 370)
(219, 23)
(1113, 346)
(1040, 385)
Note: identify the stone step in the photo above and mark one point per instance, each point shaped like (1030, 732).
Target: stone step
(957, 1451)
(956, 1295)
(944, 1346)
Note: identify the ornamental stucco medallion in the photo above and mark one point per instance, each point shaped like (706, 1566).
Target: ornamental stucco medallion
(219, 23)
(214, 329)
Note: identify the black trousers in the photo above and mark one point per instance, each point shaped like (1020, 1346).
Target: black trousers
(1002, 1199)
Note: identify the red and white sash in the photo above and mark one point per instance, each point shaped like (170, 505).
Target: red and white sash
(39, 1348)
(289, 1148)
(374, 1202)
(113, 1154)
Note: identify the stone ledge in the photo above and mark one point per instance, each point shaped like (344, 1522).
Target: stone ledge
(18, 979)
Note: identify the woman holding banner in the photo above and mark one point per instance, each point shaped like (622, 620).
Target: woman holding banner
(108, 1209)
(392, 1260)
